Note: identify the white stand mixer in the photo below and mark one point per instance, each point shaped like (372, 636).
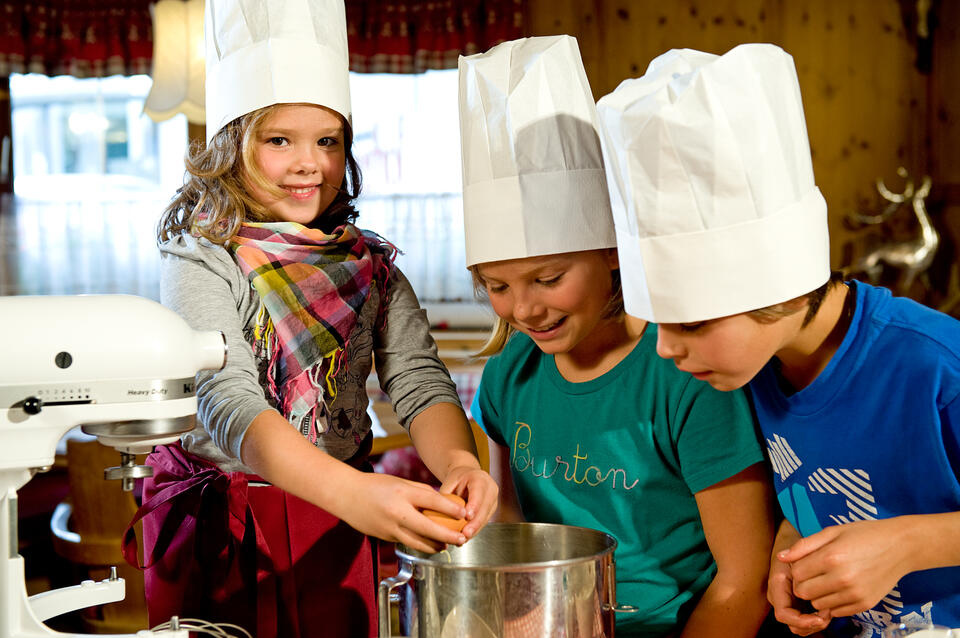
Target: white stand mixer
(122, 367)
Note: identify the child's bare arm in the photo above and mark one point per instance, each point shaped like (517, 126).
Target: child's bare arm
(737, 516)
(849, 568)
(384, 506)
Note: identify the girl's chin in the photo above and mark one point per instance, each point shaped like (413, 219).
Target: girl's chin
(300, 217)
(555, 345)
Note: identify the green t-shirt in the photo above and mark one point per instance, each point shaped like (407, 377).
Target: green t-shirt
(623, 453)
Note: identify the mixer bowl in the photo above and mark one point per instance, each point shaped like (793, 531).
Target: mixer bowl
(510, 580)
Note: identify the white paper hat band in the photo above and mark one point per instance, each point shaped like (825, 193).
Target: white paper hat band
(513, 217)
(267, 80)
(697, 276)
(261, 53)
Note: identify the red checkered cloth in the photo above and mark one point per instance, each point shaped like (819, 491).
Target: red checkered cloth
(413, 36)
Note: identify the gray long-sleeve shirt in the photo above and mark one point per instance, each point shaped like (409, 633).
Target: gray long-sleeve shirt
(202, 282)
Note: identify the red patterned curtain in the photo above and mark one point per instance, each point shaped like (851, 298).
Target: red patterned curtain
(84, 38)
(95, 38)
(412, 36)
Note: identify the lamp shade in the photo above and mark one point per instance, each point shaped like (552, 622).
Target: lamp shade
(178, 61)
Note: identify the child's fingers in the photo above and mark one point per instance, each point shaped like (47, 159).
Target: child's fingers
(478, 489)
(799, 623)
(445, 503)
(477, 522)
(844, 603)
(430, 530)
(785, 604)
(807, 630)
(842, 595)
(806, 546)
(470, 529)
(419, 542)
(480, 494)
(484, 499)
(779, 593)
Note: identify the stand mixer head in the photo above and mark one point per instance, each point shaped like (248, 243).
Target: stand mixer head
(122, 367)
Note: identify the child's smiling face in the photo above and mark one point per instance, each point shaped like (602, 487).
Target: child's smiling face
(557, 300)
(299, 149)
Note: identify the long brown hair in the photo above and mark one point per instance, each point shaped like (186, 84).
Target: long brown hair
(214, 199)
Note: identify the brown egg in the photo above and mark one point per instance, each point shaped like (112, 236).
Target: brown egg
(456, 524)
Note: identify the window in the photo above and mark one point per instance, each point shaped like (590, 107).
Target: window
(88, 163)
(91, 136)
(407, 141)
(91, 176)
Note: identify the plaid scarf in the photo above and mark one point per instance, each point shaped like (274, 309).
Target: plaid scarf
(312, 287)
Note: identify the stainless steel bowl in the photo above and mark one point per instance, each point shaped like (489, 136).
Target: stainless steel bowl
(510, 580)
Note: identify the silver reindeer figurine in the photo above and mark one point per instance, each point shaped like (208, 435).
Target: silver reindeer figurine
(911, 257)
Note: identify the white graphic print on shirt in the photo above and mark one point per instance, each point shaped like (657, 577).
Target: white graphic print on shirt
(854, 487)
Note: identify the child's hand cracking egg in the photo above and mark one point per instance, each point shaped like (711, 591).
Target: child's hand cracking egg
(456, 524)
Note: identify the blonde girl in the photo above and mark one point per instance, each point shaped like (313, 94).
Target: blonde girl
(263, 514)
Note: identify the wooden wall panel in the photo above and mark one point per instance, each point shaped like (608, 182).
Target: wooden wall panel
(865, 101)
(943, 142)
(944, 108)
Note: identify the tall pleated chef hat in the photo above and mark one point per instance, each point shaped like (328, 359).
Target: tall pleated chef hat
(712, 185)
(533, 176)
(261, 52)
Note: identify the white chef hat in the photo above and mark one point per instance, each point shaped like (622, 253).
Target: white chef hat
(712, 185)
(261, 52)
(533, 176)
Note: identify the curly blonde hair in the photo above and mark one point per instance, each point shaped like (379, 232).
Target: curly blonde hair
(214, 199)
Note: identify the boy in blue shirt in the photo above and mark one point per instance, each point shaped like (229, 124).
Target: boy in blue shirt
(722, 236)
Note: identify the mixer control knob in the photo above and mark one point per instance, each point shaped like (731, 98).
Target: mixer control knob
(32, 405)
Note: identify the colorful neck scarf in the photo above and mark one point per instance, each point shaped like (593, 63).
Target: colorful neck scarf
(312, 287)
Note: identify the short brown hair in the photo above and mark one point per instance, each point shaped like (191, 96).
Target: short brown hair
(812, 300)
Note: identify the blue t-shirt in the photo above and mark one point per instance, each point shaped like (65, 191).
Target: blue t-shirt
(876, 435)
(623, 453)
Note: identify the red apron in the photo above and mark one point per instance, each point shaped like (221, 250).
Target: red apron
(221, 550)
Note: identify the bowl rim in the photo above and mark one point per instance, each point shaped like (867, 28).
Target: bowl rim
(421, 558)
